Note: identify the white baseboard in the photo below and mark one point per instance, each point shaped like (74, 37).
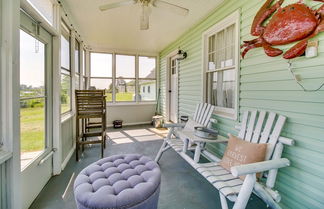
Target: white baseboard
(131, 124)
(68, 157)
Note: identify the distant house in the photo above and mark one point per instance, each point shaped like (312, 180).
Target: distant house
(148, 87)
(147, 90)
(121, 85)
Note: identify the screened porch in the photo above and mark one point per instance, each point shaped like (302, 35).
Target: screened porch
(210, 104)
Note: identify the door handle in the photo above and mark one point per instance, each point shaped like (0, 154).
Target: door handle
(50, 154)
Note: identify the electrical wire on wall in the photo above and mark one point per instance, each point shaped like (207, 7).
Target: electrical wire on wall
(298, 80)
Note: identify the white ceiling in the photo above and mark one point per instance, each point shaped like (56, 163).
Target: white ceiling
(118, 28)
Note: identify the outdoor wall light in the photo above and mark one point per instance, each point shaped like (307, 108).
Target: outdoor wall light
(181, 55)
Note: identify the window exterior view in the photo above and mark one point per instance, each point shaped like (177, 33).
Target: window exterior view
(32, 97)
(122, 87)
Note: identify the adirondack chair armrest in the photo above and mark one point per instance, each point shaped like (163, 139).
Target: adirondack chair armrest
(174, 125)
(220, 139)
(242, 170)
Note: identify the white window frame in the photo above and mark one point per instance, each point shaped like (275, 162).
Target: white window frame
(136, 78)
(64, 26)
(77, 74)
(234, 18)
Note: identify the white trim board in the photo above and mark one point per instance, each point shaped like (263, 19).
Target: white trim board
(131, 124)
(225, 22)
(167, 83)
(67, 159)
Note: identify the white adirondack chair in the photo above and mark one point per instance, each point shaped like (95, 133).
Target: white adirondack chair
(183, 133)
(229, 184)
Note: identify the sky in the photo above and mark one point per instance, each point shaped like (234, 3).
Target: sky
(101, 65)
(32, 62)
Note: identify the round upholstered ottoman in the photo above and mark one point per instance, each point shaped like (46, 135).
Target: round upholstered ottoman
(119, 182)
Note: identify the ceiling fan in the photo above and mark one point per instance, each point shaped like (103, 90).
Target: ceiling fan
(146, 9)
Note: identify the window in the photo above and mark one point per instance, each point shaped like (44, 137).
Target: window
(147, 78)
(66, 88)
(221, 66)
(120, 80)
(125, 78)
(83, 63)
(101, 73)
(44, 8)
(32, 97)
(85, 78)
(77, 64)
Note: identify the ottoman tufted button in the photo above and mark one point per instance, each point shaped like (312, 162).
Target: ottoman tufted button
(119, 182)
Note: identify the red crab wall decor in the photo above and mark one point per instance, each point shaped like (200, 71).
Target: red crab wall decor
(295, 22)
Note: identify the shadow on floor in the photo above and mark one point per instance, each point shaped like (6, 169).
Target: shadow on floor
(181, 188)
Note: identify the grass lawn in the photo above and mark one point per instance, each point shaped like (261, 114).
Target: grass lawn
(32, 126)
(124, 97)
(121, 97)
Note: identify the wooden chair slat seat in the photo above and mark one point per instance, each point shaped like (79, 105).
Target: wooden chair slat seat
(220, 178)
(176, 144)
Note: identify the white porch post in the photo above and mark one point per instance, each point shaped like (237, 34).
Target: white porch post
(10, 17)
(57, 142)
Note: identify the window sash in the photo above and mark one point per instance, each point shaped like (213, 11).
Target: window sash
(118, 74)
(77, 57)
(65, 30)
(139, 67)
(69, 53)
(219, 58)
(136, 78)
(70, 93)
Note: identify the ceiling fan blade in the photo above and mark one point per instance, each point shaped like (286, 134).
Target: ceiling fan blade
(172, 7)
(145, 21)
(117, 4)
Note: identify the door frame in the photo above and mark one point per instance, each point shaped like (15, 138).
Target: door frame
(10, 96)
(46, 38)
(168, 83)
(43, 163)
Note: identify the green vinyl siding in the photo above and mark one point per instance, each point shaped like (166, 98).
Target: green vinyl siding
(265, 83)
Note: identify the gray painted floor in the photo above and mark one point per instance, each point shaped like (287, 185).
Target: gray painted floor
(181, 188)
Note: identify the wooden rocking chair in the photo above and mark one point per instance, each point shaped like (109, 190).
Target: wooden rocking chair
(229, 184)
(181, 134)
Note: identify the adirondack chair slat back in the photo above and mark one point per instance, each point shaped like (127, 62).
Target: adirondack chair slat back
(208, 114)
(203, 113)
(258, 132)
(258, 127)
(197, 112)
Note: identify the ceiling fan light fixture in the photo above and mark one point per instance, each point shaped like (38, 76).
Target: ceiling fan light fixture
(146, 6)
(144, 19)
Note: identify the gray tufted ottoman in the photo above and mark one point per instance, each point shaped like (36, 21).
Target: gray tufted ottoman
(119, 182)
